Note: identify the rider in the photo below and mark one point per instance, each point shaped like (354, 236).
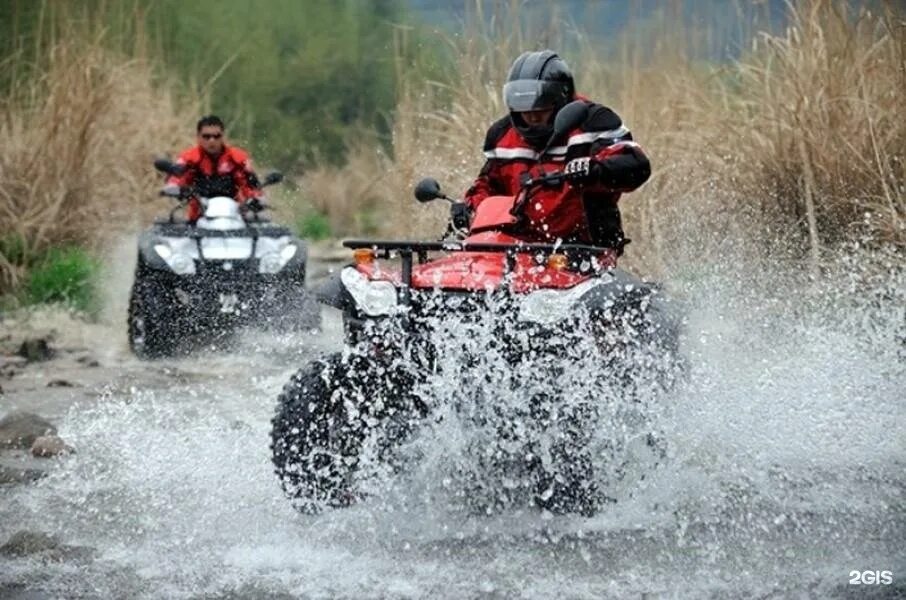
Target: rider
(215, 169)
(599, 158)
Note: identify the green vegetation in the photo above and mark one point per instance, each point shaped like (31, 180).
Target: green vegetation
(295, 77)
(64, 274)
(314, 226)
(68, 275)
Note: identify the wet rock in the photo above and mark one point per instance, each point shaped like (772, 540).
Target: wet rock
(239, 425)
(12, 361)
(23, 543)
(20, 429)
(49, 547)
(249, 591)
(88, 361)
(50, 445)
(21, 591)
(10, 475)
(36, 350)
(60, 383)
(9, 365)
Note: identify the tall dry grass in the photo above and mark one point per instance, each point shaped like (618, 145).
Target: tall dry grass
(796, 147)
(80, 126)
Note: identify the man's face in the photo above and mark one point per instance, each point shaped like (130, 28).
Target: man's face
(211, 139)
(534, 118)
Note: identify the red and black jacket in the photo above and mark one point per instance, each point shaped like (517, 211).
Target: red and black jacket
(574, 213)
(228, 174)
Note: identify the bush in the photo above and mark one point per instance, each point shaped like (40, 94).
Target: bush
(67, 275)
(314, 226)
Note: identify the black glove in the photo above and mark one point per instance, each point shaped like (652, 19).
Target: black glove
(581, 170)
(255, 204)
(460, 215)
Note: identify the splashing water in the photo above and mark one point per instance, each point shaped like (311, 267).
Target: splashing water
(785, 473)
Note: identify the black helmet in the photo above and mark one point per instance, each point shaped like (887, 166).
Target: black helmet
(537, 81)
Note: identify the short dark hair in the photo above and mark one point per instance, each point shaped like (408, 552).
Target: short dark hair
(209, 121)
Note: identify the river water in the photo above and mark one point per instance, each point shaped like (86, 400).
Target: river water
(785, 474)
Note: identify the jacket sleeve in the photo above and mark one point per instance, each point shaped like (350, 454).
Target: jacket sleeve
(244, 176)
(185, 159)
(486, 184)
(489, 181)
(622, 165)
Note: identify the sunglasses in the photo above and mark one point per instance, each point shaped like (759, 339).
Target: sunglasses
(211, 136)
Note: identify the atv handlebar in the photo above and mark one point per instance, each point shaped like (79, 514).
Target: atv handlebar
(552, 178)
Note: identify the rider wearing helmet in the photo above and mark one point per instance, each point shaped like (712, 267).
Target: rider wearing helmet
(599, 158)
(215, 169)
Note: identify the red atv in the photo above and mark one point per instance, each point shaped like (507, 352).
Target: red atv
(344, 415)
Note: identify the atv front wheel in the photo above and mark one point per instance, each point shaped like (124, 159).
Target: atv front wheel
(315, 441)
(338, 423)
(153, 333)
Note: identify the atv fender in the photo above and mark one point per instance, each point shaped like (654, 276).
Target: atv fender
(625, 290)
(147, 256)
(333, 293)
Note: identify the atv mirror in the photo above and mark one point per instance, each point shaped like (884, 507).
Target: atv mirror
(169, 167)
(272, 178)
(427, 190)
(568, 118)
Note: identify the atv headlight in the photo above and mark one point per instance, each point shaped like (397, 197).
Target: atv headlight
(274, 254)
(547, 307)
(181, 264)
(270, 263)
(374, 298)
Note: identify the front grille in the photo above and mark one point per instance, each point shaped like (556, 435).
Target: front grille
(237, 271)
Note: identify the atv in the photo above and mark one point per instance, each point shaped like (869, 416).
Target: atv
(197, 282)
(344, 418)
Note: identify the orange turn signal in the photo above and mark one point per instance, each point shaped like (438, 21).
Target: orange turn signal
(557, 262)
(363, 256)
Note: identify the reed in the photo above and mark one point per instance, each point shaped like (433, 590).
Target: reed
(797, 147)
(81, 123)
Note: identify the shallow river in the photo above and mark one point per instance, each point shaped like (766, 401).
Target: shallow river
(787, 450)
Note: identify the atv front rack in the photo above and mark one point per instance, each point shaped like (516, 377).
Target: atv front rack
(407, 250)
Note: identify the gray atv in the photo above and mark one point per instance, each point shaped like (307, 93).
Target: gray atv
(198, 282)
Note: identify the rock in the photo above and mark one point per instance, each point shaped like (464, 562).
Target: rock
(23, 543)
(88, 361)
(50, 445)
(28, 543)
(9, 475)
(36, 350)
(19, 429)
(9, 364)
(238, 425)
(60, 383)
(12, 359)
(21, 591)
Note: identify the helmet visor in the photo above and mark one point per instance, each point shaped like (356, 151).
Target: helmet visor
(532, 94)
